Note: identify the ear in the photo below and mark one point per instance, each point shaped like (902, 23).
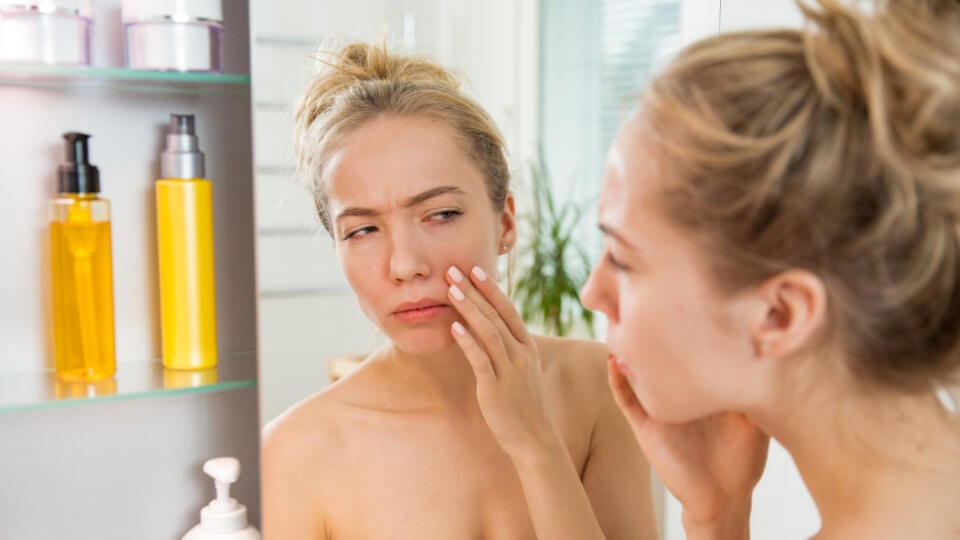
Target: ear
(508, 224)
(795, 304)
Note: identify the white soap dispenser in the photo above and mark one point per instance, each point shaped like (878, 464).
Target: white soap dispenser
(224, 518)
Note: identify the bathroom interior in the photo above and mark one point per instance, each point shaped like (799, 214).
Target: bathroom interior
(124, 453)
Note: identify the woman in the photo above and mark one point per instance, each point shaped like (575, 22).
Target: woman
(782, 257)
(409, 178)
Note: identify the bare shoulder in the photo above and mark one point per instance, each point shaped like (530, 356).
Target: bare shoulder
(303, 452)
(574, 360)
(300, 428)
(314, 424)
(291, 443)
(575, 384)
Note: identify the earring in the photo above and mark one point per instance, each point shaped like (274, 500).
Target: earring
(505, 247)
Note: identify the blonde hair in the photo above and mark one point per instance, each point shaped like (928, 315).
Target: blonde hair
(834, 149)
(363, 81)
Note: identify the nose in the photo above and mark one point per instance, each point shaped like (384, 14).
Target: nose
(597, 294)
(408, 257)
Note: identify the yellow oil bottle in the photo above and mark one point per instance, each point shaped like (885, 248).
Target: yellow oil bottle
(82, 270)
(185, 252)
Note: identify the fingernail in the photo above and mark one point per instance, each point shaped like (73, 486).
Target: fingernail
(455, 274)
(458, 328)
(479, 273)
(456, 292)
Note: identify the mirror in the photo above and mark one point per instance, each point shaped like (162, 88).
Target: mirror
(557, 77)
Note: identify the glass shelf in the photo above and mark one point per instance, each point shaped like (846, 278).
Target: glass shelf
(128, 80)
(133, 380)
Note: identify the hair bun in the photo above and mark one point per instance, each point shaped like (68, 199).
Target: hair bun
(361, 64)
(370, 62)
(900, 66)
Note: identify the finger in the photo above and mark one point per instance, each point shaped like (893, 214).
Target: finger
(484, 331)
(624, 396)
(478, 359)
(501, 303)
(483, 305)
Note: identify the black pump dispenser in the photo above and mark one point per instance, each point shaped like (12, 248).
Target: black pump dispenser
(77, 175)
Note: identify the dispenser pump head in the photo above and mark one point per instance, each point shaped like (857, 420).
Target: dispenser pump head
(182, 124)
(182, 157)
(224, 472)
(224, 514)
(77, 175)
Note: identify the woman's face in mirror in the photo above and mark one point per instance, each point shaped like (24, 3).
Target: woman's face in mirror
(677, 335)
(406, 203)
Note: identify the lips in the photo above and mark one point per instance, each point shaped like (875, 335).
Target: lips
(421, 311)
(418, 305)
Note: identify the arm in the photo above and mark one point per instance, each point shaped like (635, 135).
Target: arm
(613, 500)
(617, 475)
(559, 505)
(506, 362)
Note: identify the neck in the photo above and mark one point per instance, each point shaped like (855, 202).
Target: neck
(443, 380)
(878, 463)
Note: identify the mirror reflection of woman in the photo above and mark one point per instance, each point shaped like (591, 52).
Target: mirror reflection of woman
(782, 257)
(409, 178)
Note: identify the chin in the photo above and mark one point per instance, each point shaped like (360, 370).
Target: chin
(423, 341)
(667, 408)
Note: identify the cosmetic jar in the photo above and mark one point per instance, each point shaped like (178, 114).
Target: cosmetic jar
(173, 35)
(53, 32)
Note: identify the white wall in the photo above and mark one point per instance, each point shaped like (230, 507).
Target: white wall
(747, 14)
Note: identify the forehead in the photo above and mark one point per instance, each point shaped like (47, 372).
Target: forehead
(630, 176)
(389, 158)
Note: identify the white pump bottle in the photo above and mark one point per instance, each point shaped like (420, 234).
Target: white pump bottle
(224, 518)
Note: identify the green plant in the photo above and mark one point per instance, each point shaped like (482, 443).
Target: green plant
(554, 265)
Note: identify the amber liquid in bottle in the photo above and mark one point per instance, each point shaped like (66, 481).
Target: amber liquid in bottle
(82, 287)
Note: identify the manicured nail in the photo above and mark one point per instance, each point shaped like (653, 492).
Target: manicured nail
(458, 328)
(456, 292)
(455, 274)
(479, 273)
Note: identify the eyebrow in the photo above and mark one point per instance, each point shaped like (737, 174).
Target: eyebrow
(417, 199)
(608, 231)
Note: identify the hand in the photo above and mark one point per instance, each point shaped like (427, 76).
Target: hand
(505, 361)
(710, 465)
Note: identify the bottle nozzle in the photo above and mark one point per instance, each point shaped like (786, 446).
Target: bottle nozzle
(77, 147)
(182, 157)
(77, 175)
(182, 124)
(224, 514)
(224, 471)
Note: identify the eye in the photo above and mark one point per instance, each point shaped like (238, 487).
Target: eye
(357, 233)
(617, 265)
(444, 215)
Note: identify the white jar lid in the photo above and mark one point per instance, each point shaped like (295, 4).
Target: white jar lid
(73, 7)
(177, 10)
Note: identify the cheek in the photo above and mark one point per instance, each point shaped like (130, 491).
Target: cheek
(463, 244)
(661, 330)
(360, 269)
